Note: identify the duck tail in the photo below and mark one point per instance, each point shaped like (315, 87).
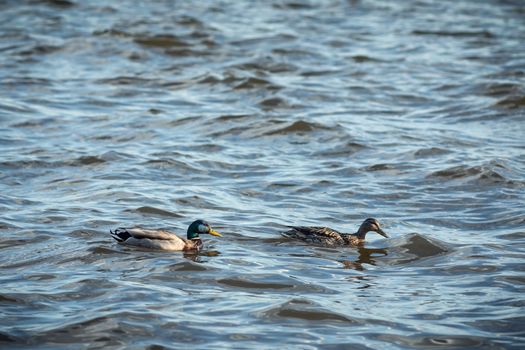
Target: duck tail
(286, 235)
(120, 234)
(291, 233)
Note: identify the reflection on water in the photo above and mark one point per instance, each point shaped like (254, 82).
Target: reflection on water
(257, 115)
(366, 256)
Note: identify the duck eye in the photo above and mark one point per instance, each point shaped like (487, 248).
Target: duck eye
(203, 228)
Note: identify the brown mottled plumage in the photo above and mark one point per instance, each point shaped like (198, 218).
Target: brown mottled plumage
(329, 237)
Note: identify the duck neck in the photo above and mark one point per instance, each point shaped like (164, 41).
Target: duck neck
(192, 235)
(361, 233)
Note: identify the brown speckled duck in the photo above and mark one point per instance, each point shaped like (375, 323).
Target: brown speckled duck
(164, 240)
(329, 237)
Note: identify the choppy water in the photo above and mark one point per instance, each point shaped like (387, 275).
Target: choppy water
(255, 115)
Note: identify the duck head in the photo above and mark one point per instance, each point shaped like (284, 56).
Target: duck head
(200, 227)
(370, 224)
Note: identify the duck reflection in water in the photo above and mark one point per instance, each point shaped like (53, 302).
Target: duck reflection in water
(197, 256)
(366, 256)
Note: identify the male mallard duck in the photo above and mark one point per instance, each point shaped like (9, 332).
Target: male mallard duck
(164, 240)
(328, 237)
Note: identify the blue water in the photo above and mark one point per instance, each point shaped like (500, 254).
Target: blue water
(256, 115)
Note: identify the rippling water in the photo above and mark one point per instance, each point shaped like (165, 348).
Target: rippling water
(255, 115)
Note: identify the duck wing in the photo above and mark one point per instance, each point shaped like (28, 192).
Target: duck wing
(141, 233)
(122, 234)
(156, 239)
(315, 234)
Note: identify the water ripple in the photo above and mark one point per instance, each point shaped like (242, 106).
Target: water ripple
(255, 116)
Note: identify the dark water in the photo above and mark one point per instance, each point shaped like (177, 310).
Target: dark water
(255, 115)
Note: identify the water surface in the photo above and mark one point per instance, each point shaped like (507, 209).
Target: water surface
(255, 115)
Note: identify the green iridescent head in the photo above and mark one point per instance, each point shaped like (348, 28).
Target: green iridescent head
(200, 227)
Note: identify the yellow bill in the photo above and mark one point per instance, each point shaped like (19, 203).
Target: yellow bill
(215, 233)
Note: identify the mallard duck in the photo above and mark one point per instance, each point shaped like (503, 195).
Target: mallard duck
(164, 240)
(329, 237)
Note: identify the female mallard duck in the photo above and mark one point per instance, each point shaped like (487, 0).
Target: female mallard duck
(164, 240)
(328, 237)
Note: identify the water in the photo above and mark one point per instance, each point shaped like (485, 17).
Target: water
(255, 115)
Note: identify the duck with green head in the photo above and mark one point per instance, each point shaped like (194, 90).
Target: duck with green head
(164, 240)
(329, 237)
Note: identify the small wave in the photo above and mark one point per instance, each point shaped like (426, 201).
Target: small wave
(483, 223)
(430, 152)
(209, 79)
(307, 311)
(190, 21)
(185, 52)
(482, 33)
(457, 172)
(298, 126)
(17, 107)
(465, 269)
(265, 39)
(381, 167)
(320, 72)
(7, 338)
(245, 283)
(294, 5)
(167, 163)
(157, 211)
(364, 59)
(183, 121)
(257, 83)
(499, 89)
(112, 32)
(233, 117)
(313, 315)
(7, 226)
(416, 247)
(262, 66)
(440, 341)
(503, 325)
(125, 80)
(14, 200)
(23, 263)
(40, 49)
(514, 102)
(487, 174)
(12, 299)
(87, 160)
(92, 328)
(103, 251)
(161, 40)
(35, 123)
(10, 242)
(60, 3)
(343, 150)
(296, 53)
(515, 236)
(189, 266)
(198, 201)
(27, 164)
(274, 103)
(28, 81)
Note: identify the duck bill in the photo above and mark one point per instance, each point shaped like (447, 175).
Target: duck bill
(382, 233)
(215, 233)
